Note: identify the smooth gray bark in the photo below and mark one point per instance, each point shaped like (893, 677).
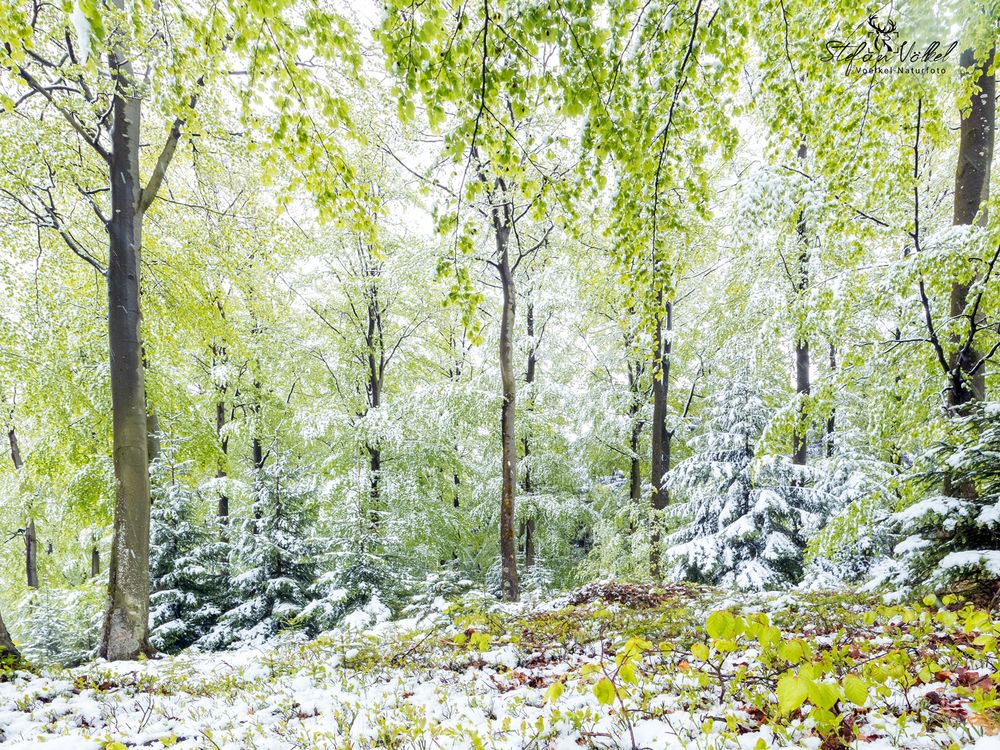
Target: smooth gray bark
(125, 633)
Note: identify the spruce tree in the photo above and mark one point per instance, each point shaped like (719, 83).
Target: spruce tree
(187, 561)
(952, 538)
(742, 520)
(276, 559)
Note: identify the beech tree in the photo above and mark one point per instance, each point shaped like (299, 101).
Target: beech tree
(103, 71)
(490, 65)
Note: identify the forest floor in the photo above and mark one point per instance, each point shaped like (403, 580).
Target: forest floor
(609, 666)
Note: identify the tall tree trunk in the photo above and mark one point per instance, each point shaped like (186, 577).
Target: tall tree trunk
(800, 442)
(374, 486)
(219, 357)
(153, 435)
(152, 418)
(967, 374)
(454, 373)
(831, 421)
(125, 633)
(220, 472)
(635, 462)
(528, 525)
(529, 543)
(256, 447)
(31, 554)
(15, 449)
(972, 191)
(508, 549)
(7, 648)
(634, 371)
(95, 561)
(30, 536)
(376, 377)
(661, 436)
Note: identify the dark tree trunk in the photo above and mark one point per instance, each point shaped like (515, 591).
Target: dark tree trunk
(800, 442)
(528, 526)
(529, 543)
(661, 436)
(972, 190)
(454, 374)
(30, 537)
(635, 462)
(660, 439)
(7, 648)
(634, 371)
(95, 562)
(831, 422)
(375, 343)
(967, 376)
(153, 435)
(220, 472)
(257, 451)
(374, 488)
(31, 554)
(15, 449)
(508, 549)
(529, 381)
(126, 623)
(152, 418)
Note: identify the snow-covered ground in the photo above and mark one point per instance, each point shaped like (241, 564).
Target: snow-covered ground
(622, 667)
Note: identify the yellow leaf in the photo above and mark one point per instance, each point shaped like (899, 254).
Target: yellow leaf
(604, 691)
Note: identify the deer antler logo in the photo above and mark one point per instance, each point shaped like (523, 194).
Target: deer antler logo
(885, 31)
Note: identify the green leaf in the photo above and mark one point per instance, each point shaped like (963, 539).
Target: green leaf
(720, 624)
(824, 694)
(627, 673)
(555, 691)
(855, 690)
(792, 692)
(604, 691)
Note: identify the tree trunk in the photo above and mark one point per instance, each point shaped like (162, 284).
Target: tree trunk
(152, 435)
(220, 473)
(634, 370)
(125, 633)
(374, 488)
(967, 375)
(660, 440)
(30, 537)
(635, 463)
(31, 554)
(257, 450)
(800, 442)
(972, 190)
(376, 377)
(508, 549)
(831, 422)
(15, 449)
(528, 526)
(7, 648)
(95, 562)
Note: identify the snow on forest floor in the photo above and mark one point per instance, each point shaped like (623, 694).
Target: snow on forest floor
(611, 666)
